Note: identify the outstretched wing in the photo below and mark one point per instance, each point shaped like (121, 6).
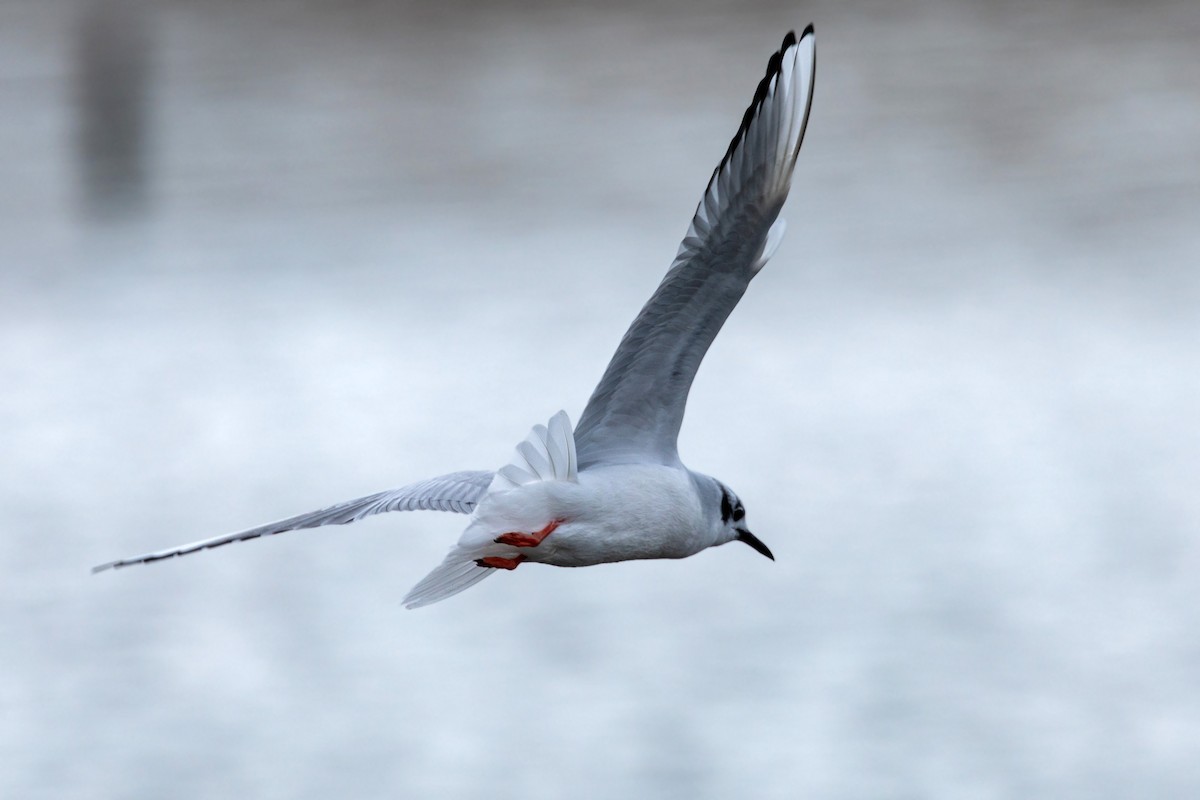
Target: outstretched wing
(458, 492)
(636, 410)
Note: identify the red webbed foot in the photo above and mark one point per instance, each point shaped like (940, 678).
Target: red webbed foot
(527, 539)
(498, 562)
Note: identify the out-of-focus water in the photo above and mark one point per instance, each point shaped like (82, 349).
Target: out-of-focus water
(371, 244)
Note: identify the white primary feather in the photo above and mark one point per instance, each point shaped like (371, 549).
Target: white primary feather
(770, 244)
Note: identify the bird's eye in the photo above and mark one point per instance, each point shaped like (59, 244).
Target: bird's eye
(738, 513)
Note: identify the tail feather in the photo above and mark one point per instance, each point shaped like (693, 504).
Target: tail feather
(457, 573)
(547, 454)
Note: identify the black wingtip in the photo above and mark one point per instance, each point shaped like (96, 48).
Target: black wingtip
(774, 66)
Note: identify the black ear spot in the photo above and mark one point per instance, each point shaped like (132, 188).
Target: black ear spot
(738, 513)
(726, 506)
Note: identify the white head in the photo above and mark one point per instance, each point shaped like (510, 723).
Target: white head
(729, 517)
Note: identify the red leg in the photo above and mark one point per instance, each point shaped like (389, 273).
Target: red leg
(497, 562)
(527, 539)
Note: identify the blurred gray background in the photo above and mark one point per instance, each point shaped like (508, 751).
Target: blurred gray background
(256, 258)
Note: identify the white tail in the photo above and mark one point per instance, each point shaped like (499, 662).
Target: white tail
(546, 454)
(457, 573)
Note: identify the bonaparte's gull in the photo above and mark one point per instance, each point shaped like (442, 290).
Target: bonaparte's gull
(614, 489)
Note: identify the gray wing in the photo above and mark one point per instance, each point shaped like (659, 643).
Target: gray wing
(458, 492)
(635, 413)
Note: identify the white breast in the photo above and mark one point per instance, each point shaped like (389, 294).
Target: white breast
(614, 513)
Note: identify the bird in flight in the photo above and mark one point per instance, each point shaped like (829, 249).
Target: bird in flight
(613, 488)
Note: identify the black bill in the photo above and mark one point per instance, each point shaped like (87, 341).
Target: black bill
(749, 538)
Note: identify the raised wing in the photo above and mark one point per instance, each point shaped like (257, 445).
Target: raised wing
(458, 492)
(635, 413)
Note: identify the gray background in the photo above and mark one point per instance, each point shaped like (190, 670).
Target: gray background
(257, 258)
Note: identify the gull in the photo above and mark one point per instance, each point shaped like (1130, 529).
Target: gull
(613, 488)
